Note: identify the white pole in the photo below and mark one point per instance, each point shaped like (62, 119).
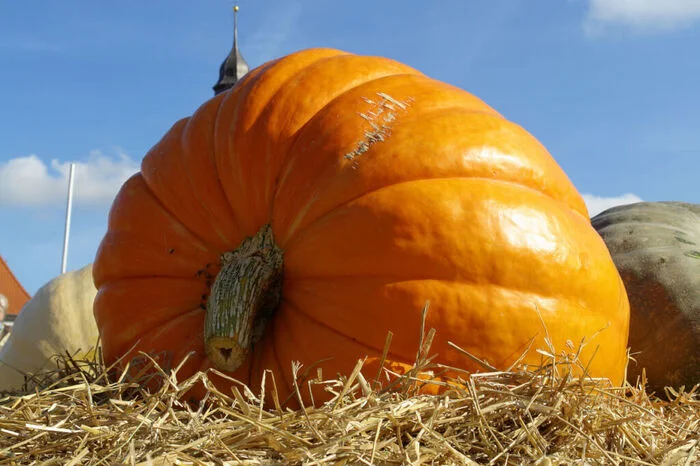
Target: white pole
(69, 208)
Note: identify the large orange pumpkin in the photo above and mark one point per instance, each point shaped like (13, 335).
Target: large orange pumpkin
(321, 202)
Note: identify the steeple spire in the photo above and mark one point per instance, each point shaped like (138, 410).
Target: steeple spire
(234, 66)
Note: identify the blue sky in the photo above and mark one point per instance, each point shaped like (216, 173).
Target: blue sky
(611, 87)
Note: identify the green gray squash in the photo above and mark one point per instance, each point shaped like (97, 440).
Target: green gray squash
(656, 248)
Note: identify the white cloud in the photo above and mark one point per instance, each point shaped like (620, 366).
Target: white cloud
(272, 38)
(30, 44)
(642, 15)
(29, 181)
(597, 204)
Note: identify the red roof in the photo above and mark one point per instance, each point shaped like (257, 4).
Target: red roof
(12, 289)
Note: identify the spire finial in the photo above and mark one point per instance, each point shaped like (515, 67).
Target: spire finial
(234, 66)
(235, 27)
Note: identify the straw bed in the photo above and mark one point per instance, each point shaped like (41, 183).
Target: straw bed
(539, 416)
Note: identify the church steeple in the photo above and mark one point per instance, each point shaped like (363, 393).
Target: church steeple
(234, 66)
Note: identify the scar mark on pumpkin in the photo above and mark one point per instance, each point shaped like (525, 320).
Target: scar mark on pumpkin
(683, 240)
(380, 118)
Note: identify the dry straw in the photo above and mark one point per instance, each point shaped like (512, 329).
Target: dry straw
(538, 416)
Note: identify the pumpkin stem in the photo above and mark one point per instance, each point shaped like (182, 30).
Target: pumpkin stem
(244, 296)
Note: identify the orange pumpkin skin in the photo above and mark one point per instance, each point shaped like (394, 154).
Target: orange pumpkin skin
(385, 189)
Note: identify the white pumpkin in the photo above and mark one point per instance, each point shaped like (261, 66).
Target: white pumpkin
(58, 318)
